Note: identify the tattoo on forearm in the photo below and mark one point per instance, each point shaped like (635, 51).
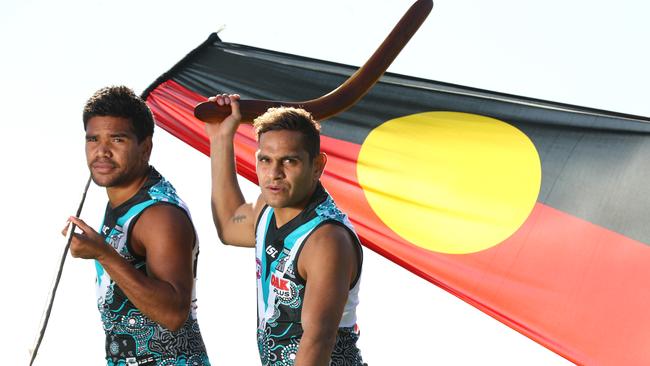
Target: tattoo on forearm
(239, 218)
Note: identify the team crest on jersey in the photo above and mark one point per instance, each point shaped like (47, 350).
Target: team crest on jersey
(282, 262)
(289, 271)
(115, 237)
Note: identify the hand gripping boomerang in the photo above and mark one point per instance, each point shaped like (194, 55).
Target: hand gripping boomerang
(348, 93)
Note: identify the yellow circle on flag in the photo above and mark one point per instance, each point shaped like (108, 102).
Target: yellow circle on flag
(450, 182)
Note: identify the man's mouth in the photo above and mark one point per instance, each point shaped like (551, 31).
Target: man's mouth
(102, 166)
(274, 189)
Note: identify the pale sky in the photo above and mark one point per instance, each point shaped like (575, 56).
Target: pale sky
(56, 54)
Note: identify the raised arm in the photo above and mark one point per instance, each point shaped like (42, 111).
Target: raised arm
(328, 263)
(233, 218)
(165, 235)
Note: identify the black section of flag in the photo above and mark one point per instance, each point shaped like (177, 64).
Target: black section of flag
(594, 162)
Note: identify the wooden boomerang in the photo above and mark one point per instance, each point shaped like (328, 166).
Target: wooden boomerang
(348, 93)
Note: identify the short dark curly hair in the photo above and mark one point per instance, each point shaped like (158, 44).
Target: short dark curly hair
(121, 101)
(292, 119)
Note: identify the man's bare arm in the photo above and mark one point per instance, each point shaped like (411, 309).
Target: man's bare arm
(165, 235)
(233, 218)
(328, 263)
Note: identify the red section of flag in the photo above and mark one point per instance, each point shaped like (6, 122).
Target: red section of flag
(173, 108)
(558, 279)
(574, 287)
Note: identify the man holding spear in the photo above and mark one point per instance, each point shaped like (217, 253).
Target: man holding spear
(146, 251)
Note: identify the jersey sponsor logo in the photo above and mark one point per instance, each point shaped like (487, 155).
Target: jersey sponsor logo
(286, 291)
(258, 270)
(147, 360)
(279, 283)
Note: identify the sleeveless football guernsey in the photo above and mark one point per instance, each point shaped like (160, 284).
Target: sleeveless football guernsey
(281, 290)
(131, 337)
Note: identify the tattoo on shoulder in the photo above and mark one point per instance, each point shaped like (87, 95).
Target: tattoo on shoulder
(239, 218)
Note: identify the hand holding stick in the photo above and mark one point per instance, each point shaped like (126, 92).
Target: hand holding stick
(48, 311)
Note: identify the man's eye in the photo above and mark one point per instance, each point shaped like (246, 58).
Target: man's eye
(91, 139)
(118, 139)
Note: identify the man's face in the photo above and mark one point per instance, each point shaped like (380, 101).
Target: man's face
(286, 174)
(114, 156)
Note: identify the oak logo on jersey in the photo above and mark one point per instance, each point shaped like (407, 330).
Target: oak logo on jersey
(279, 284)
(286, 291)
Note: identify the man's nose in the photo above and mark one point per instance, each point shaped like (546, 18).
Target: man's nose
(277, 170)
(104, 149)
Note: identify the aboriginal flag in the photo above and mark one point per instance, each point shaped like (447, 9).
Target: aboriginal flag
(535, 212)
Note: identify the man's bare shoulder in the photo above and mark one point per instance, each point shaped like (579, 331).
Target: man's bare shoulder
(330, 251)
(330, 241)
(332, 232)
(164, 214)
(160, 224)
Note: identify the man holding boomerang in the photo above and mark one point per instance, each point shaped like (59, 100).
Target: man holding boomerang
(308, 256)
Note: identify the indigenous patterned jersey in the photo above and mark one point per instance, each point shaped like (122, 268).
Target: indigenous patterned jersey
(281, 289)
(131, 337)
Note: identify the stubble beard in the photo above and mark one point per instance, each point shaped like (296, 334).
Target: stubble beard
(122, 178)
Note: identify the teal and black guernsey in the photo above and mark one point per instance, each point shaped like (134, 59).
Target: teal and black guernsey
(281, 289)
(131, 337)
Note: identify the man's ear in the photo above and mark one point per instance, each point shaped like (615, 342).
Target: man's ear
(147, 145)
(319, 165)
